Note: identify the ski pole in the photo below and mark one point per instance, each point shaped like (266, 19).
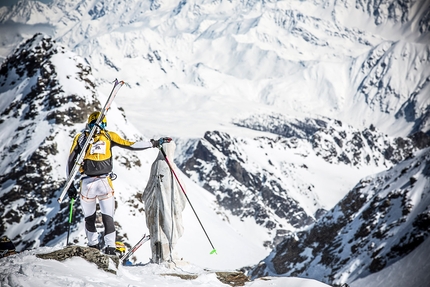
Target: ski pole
(70, 219)
(135, 247)
(183, 190)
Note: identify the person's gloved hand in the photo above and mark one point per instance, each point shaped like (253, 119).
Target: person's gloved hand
(72, 192)
(160, 141)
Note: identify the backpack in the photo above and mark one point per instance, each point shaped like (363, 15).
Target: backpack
(98, 156)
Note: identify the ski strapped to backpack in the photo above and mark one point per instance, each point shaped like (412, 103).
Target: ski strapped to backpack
(79, 160)
(135, 247)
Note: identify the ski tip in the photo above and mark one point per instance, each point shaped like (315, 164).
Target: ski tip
(213, 252)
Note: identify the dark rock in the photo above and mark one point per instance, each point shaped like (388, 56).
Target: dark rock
(90, 254)
(246, 194)
(420, 139)
(232, 278)
(182, 276)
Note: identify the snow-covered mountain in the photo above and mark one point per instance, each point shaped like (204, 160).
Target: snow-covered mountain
(47, 93)
(279, 109)
(360, 62)
(381, 220)
(293, 174)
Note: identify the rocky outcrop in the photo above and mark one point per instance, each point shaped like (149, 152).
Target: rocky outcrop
(225, 165)
(337, 142)
(222, 166)
(104, 262)
(43, 113)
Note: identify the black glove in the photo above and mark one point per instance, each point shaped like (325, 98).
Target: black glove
(72, 192)
(160, 141)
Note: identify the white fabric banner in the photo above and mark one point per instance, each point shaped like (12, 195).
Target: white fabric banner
(164, 203)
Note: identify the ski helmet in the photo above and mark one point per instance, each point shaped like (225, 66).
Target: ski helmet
(93, 118)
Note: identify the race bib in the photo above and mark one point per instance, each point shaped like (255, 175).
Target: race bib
(98, 147)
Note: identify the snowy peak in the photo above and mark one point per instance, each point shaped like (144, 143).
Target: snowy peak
(30, 12)
(362, 63)
(222, 165)
(394, 79)
(386, 13)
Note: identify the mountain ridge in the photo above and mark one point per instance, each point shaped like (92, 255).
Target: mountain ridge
(272, 179)
(357, 69)
(372, 227)
(49, 102)
(280, 104)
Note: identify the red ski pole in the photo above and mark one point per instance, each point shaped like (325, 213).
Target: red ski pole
(183, 190)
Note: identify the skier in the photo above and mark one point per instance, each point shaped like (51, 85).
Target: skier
(164, 203)
(97, 176)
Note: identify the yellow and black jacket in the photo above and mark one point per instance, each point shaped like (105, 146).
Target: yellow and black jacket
(98, 156)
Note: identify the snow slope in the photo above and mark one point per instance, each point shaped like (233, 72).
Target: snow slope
(25, 269)
(413, 270)
(382, 220)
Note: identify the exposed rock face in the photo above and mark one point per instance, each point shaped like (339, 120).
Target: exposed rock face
(104, 262)
(340, 143)
(236, 278)
(220, 163)
(40, 104)
(230, 167)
